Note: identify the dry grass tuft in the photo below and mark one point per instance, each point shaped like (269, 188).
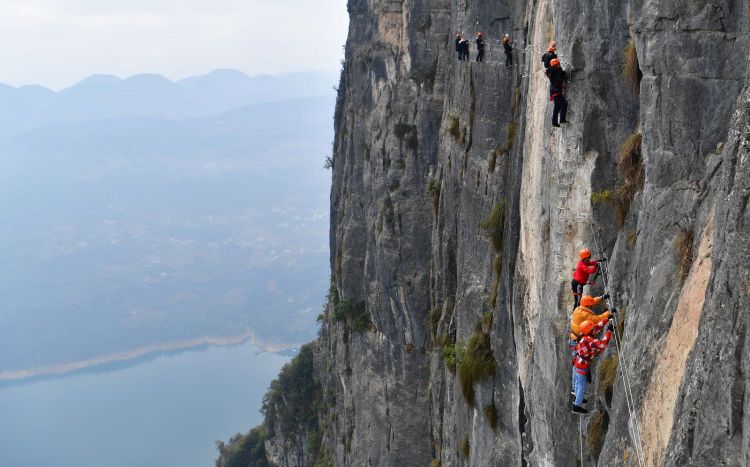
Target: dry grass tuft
(494, 226)
(477, 363)
(608, 375)
(490, 413)
(597, 430)
(487, 321)
(550, 32)
(465, 448)
(433, 189)
(683, 251)
(434, 319)
(454, 128)
(497, 266)
(631, 72)
(632, 238)
(516, 105)
(492, 161)
(630, 165)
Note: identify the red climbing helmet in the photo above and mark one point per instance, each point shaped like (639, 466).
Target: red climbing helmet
(586, 327)
(555, 63)
(585, 253)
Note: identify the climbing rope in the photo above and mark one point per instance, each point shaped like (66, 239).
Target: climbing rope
(624, 371)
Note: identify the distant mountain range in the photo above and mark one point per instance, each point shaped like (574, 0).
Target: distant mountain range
(151, 95)
(142, 211)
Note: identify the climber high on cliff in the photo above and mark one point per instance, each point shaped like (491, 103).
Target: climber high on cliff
(587, 348)
(549, 54)
(464, 44)
(508, 51)
(585, 267)
(557, 78)
(480, 46)
(459, 48)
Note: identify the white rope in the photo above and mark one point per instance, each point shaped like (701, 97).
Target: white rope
(629, 398)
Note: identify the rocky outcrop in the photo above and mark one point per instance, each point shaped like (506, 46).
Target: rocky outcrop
(457, 212)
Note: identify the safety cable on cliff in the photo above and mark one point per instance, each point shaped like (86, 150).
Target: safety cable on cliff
(634, 427)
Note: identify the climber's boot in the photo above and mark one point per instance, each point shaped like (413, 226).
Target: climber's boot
(579, 410)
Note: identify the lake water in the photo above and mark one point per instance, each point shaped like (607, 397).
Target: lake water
(164, 412)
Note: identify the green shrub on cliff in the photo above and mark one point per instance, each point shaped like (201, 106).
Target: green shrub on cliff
(354, 314)
(294, 398)
(244, 450)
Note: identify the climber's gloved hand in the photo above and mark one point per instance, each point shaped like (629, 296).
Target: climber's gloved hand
(613, 310)
(605, 296)
(611, 326)
(602, 260)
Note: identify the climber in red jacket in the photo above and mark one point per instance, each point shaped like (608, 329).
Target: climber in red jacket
(586, 349)
(585, 267)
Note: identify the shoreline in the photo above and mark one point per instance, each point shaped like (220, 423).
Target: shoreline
(63, 368)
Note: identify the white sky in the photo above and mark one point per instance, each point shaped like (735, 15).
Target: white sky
(58, 42)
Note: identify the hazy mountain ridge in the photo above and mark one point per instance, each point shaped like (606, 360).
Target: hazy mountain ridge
(150, 95)
(124, 232)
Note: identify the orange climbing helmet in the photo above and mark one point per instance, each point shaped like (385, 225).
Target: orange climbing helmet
(587, 301)
(550, 49)
(586, 327)
(554, 62)
(585, 253)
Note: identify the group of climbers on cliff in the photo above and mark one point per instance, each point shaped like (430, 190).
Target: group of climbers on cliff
(585, 325)
(552, 68)
(462, 48)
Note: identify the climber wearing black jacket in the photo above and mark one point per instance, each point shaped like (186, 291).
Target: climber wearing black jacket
(508, 51)
(464, 44)
(480, 47)
(557, 77)
(459, 48)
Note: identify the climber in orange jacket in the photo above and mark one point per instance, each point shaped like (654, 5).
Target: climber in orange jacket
(585, 267)
(584, 313)
(587, 348)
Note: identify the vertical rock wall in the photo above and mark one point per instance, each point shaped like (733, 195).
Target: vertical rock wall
(427, 149)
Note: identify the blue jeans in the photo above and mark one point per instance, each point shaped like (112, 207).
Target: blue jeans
(579, 386)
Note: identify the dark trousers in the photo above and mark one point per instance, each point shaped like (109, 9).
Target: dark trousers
(577, 292)
(508, 59)
(561, 109)
(460, 54)
(480, 56)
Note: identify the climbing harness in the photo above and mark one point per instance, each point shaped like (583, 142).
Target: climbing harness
(633, 426)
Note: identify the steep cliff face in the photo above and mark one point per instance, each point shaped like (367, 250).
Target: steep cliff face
(457, 215)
